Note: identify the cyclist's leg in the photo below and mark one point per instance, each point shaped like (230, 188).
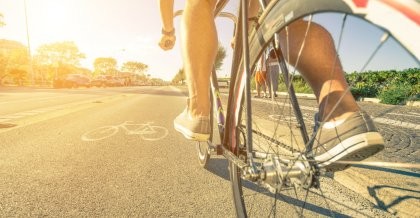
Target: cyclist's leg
(321, 68)
(349, 133)
(199, 48)
(254, 6)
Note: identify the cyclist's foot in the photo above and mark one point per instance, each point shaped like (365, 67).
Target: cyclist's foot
(354, 139)
(194, 128)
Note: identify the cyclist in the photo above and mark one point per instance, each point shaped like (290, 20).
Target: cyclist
(347, 126)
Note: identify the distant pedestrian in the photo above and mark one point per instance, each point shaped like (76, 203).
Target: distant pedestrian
(261, 77)
(273, 71)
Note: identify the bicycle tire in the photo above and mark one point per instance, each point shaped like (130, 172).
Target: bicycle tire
(249, 198)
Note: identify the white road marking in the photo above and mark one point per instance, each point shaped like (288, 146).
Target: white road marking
(377, 119)
(32, 99)
(396, 123)
(407, 115)
(147, 131)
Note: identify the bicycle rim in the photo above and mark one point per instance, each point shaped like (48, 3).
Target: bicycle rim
(279, 131)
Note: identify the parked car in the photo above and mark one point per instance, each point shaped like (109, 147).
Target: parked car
(72, 81)
(101, 81)
(108, 81)
(118, 81)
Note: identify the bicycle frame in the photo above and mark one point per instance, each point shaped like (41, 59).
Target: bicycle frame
(236, 93)
(275, 173)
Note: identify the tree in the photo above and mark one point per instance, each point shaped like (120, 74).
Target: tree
(134, 67)
(179, 77)
(105, 66)
(66, 53)
(13, 56)
(56, 59)
(221, 54)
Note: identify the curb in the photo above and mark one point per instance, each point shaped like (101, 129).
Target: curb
(373, 100)
(392, 190)
(376, 100)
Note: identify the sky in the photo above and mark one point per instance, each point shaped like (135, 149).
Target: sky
(129, 30)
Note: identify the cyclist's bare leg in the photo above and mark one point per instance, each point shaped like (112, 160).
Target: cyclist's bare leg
(321, 68)
(199, 48)
(199, 43)
(253, 8)
(252, 13)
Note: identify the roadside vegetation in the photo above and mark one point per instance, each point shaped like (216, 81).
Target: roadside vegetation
(390, 87)
(56, 60)
(180, 77)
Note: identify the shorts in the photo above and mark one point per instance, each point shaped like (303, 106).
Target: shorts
(261, 77)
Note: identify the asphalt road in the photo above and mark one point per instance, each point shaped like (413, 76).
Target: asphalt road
(55, 162)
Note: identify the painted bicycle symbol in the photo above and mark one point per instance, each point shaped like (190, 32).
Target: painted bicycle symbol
(147, 131)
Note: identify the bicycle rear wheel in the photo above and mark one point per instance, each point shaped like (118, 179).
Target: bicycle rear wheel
(283, 128)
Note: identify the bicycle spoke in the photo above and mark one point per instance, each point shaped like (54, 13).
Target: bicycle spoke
(326, 202)
(304, 203)
(382, 42)
(273, 208)
(280, 140)
(333, 69)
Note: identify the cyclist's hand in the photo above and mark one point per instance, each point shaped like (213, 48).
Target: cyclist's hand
(167, 42)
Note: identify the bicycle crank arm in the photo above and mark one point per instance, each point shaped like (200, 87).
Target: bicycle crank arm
(233, 158)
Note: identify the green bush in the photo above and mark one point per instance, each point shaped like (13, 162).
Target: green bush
(363, 91)
(395, 94)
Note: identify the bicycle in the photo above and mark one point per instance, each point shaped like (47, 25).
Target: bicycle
(271, 155)
(147, 131)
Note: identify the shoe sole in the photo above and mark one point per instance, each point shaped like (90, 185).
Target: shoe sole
(191, 135)
(355, 148)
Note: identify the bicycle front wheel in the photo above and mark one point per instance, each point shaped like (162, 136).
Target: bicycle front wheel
(283, 128)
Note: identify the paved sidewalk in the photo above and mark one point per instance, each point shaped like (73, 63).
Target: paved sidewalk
(391, 189)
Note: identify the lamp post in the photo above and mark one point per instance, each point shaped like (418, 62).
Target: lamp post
(29, 45)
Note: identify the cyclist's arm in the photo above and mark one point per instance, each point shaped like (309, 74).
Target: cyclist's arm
(167, 39)
(166, 14)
